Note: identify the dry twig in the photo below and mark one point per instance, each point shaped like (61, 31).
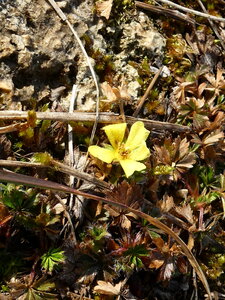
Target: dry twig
(90, 117)
(60, 167)
(165, 11)
(192, 11)
(144, 97)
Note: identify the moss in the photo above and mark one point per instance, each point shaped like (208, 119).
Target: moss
(104, 66)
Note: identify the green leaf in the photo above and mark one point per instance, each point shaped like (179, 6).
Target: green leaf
(46, 286)
(138, 250)
(17, 198)
(52, 259)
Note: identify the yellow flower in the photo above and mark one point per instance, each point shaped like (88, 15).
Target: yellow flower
(127, 153)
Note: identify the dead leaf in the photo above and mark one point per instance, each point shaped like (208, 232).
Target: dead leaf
(166, 204)
(156, 264)
(5, 146)
(183, 147)
(191, 241)
(213, 138)
(128, 194)
(104, 8)
(186, 212)
(187, 161)
(112, 94)
(106, 288)
(58, 208)
(182, 265)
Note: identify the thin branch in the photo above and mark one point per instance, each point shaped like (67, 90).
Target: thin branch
(9, 128)
(90, 117)
(165, 11)
(64, 19)
(60, 167)
(197, 13)
(144, 97)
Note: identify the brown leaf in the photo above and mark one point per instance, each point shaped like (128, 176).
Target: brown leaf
(112, 94)
(213, 138)
(183, 147)
(159, 242)
(191, 240)
(166, 204)
(104, 8)
(163, 155)
(125, 223)
(182, 265)
(128, 194)
(5, 147)
(156, 263)
(187, 161)
(106, 288)
(186, 212)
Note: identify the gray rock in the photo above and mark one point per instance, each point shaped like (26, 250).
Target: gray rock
(38, 52)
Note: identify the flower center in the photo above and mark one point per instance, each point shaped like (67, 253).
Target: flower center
(123, 152)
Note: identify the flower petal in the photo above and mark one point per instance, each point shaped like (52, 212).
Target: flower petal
(140, 153)
(130, 166)
(106, 155)
(115, 133)
(138, 134)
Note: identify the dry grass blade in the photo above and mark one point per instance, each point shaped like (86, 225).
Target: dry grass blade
(64, 18)
(31, 181)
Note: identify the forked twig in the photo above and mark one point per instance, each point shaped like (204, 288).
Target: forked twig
(31, 181)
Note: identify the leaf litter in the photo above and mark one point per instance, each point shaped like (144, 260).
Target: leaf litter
(156, 219)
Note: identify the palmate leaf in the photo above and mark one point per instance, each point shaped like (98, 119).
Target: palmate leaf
(135, 253)
(33, 294)
(28, 180)
(18, 199)
(52, 259)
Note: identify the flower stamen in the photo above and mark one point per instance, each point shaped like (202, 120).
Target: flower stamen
(123, 151)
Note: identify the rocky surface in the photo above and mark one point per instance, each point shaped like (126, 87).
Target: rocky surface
(40, 59)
